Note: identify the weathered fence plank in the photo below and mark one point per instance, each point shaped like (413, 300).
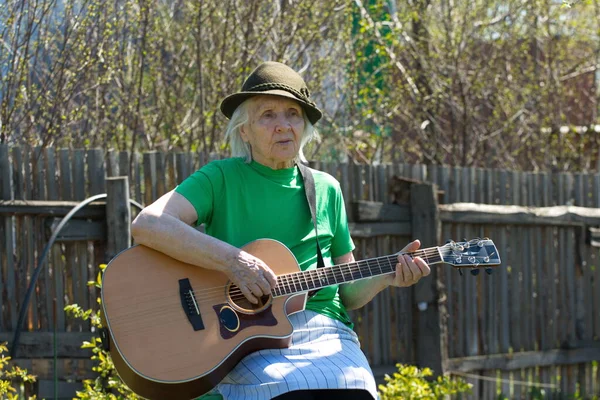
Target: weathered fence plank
(426, 227)
(95, 171)
(118, 215)
(20, 226)
(150, 178)
(6, 257)
(56, 254)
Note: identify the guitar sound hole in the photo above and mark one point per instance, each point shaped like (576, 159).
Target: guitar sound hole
(239, 302)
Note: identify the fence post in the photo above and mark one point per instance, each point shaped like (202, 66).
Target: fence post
(431, 339)
(118, 215)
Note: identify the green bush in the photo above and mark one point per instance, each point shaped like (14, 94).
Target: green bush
(108, 385)
(411, 382)
(12, 376)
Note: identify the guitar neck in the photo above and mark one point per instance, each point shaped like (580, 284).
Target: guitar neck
(315, 279)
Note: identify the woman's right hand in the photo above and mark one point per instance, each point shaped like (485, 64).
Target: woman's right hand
(252, 276)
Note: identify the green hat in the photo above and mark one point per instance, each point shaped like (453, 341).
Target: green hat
(277, 79)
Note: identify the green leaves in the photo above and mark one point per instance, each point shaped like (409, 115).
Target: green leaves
(108, 382)
(411, 382)
(12, 378)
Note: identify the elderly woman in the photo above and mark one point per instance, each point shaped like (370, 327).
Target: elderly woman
(259, 193)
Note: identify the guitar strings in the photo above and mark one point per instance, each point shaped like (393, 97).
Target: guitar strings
(175, 300)
(236, 295)
(330, 271)
(296, 278)
(299, 278)
(292, 280)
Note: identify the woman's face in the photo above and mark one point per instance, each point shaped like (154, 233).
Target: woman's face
(274, 130)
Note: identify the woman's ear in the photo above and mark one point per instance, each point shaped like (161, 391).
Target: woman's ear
(243, 133)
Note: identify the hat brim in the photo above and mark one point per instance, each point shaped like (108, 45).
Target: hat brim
(231, 103)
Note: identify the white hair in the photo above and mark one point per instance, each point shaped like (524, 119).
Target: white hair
(242, 149)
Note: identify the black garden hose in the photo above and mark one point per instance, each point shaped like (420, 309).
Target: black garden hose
(36, 273)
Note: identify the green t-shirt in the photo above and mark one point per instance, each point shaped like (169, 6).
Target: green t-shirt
(240, 202)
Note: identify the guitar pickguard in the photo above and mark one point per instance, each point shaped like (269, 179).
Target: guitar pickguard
(231, 322)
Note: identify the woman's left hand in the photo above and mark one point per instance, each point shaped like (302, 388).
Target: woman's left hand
(409, 269)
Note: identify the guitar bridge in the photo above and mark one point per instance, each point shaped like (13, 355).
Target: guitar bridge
(190, 305)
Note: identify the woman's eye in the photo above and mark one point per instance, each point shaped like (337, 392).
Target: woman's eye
(268, 114)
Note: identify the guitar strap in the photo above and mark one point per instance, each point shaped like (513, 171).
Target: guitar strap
(309, 190)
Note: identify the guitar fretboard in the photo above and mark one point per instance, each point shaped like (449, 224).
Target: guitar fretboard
(306, 281)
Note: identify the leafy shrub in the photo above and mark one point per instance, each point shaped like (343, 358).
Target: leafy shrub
(12, 376)
(108, 385)
(411, 382)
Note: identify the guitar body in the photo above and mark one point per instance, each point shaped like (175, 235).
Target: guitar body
(174, 333)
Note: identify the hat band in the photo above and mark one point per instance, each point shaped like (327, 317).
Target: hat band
(274, 86)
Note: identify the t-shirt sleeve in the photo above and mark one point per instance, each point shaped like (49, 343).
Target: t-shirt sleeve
(201, 189)
(342, 242)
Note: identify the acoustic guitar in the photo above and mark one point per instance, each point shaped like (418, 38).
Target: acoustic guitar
(175, 330)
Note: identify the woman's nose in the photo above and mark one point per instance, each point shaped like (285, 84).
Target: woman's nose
(283, 124)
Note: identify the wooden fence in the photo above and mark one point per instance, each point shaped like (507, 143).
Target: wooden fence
(535, 322)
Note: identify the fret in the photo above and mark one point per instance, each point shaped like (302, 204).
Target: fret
(333, 274)
(420, 254)
(379, 265)
(292, 283)
(349, 269)
(391, 262)
(366, 271)
(346, 273)
(297, 285)
(277, 290)
(303, 282)
(310, 273)
(336, 271)
(287, 283)
(359, 270)
(323, 278)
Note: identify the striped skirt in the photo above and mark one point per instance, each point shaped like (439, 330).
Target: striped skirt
(324, 354)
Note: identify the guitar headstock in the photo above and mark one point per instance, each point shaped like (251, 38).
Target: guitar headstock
(474, 253)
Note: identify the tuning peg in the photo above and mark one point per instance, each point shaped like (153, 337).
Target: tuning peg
(489, 271)
(464, 239)
(475, 271)
(448, 241)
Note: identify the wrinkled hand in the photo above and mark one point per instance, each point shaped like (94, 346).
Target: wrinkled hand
(252, 276)
(409, 270)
